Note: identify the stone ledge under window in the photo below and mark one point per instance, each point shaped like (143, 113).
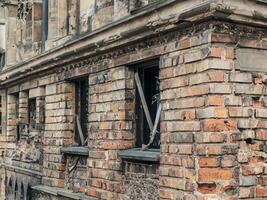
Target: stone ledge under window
(150, 155)
(79, 151)
(61, 192)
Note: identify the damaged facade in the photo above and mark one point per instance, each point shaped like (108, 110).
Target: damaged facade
(85, 85)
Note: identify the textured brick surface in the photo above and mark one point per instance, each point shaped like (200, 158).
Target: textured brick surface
(213, 124)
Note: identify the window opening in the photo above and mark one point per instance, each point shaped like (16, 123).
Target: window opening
(81, 111)
(17, 106)
(148, 106)
(32, 113)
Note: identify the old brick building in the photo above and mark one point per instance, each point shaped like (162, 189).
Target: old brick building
(85, 85)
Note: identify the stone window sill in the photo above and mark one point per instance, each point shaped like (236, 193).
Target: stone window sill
(61, 192)
(78, 151)
(151, 155)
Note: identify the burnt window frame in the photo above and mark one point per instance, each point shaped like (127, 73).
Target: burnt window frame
(81, 109)
(142, 132)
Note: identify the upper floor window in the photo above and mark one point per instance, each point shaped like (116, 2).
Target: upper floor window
(147, 106)
(32, 113)
(136, 4)
(1, 122)
(17, 105)
(2, 59)
(81, 110)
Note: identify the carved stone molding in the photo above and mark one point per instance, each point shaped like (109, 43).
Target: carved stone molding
(162, 39)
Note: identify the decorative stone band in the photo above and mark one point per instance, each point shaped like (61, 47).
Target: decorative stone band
(61, 192)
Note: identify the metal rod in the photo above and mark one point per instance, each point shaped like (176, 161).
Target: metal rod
(153, 133)
(80, 130)
(143, 100)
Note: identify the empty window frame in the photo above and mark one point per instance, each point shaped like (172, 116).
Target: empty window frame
(17, 105)
(32, 113)
(1, 125)
(2, 60)
(81, 110)
(148, 75)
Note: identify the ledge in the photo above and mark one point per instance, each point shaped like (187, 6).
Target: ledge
(19, 169)
(151, 155)
(80, 151)
(62, 192)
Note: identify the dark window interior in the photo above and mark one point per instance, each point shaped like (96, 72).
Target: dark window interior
(32, 112)
(2, 60)
(29, 25)
(82, 98)
(150, 83)
(17, 106)
(1, 124)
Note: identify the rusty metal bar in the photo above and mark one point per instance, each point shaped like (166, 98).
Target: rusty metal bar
(143, 100)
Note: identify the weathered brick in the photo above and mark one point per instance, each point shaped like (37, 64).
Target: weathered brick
(216, 149)
(229, 161)
(212, 174)
(261, 192)
(206, 77)
(181, 138)
(261, 135)
(233, 100)
(194, 56)
(241, 112)
(210, 137)
(212, 112)
(261, 113)
(208, 162)
(219, 64)
(207, 188)
(241, 77)
(222, 88)
(183, 126)
(185, 69)
(179, 115)
(215, 125)
(249, 89)
(214, 101)
(248, 180)
(174, 83)
(186, 103)
(246, 134)
(246, 192)
(247, 123)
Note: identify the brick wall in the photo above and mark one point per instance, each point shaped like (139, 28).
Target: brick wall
(58, 131)
(213, 123)
(110, 129)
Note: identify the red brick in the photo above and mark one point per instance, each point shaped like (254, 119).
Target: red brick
(212, 174)
(215, 52)
(229, 54)
(207, 188)
(214, 101)
(223, 38)
(215, 125)
(208, 162)
(261, 192)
